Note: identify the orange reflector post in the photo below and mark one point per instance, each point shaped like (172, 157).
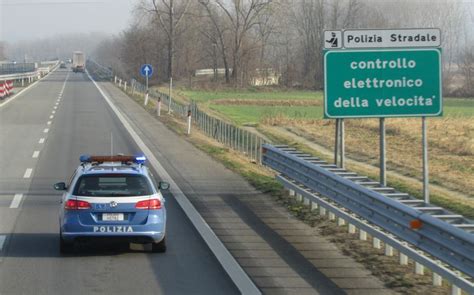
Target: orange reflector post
(416, 224)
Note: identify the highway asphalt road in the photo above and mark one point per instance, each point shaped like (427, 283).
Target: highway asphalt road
(42, 134)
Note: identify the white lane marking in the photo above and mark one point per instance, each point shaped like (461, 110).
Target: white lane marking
(53, 112)
(28, 173)
(35, 154)
(58, 100)
(46, 130)
(49, 122)
(55, 107)
(41, 140)
(16, 201)
(52, 116)
(2, 241)
(228, 262)
(57, 103)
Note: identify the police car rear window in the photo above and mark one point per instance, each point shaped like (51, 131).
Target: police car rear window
(112, 185)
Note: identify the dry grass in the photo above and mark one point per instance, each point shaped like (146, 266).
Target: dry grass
(267, 102)
(451, 145)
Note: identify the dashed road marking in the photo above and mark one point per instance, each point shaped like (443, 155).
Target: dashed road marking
(53, 112)
(41, 140)
(35, 154)
(28, 173)
(52, 116)
(55, 107)
(46, 130)
(49, 122)
(16, 201)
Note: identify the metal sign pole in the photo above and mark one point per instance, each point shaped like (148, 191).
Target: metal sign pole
(146, 92)
(426, 192)
(336, 143)
(341, 125)
(171, 86)
(383, 175)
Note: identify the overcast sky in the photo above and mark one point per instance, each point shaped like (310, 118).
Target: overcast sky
(32, 19)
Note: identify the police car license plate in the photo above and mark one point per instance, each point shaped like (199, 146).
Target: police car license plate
(112, 216)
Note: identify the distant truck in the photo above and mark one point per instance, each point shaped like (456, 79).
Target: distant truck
(78, 61)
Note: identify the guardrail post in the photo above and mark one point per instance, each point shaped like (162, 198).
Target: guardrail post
(314, 206)
(455, 290)
(299, 197)
(388, 250)
(362, 235)
(419, 269)
(376, 243)
(331, 216)
(291, 193)
(115, 79)
(403, 259)
(437, 280)
(351, 229)
(125, 86)
(22, 82)
(341, 221)
(322, 211)
(120, 82)
(306, 202)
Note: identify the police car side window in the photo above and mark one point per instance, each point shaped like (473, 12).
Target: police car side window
(71, 179)
(153, 181)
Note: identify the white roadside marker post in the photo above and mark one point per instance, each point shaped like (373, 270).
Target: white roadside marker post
(189, 123)
(158, 107)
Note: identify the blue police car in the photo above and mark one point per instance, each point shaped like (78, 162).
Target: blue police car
(112, 198)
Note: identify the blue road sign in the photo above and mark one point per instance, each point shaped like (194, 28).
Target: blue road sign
(146, 70)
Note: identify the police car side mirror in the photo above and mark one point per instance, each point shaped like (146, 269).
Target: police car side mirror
(60, 186)
(163, 185)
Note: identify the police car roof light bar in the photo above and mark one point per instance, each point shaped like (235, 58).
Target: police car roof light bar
(138, 159)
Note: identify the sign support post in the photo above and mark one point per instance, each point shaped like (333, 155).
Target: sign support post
(171, 87)
(383, 169)
(343, 148)
(146, 92)
(426, 192)
(336, 143)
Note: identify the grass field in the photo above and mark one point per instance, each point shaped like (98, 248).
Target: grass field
(253, 113)
(451, 137)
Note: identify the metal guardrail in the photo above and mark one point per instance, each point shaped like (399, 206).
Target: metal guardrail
(32, 74)
(446, 236)
(19, 76)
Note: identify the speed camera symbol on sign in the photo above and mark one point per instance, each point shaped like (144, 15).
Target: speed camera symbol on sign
(332, 39)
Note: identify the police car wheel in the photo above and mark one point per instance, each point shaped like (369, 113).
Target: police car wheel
(65, 247)
(159, 247)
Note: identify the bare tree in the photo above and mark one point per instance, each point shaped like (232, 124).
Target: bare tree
(217, 35)
(243, 16)
(169, 14)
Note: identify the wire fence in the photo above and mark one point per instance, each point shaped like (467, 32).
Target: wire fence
(246, 142)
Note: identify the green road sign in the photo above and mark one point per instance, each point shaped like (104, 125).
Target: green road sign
(382, 83)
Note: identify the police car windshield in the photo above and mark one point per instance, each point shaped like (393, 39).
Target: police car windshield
(112, 185)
